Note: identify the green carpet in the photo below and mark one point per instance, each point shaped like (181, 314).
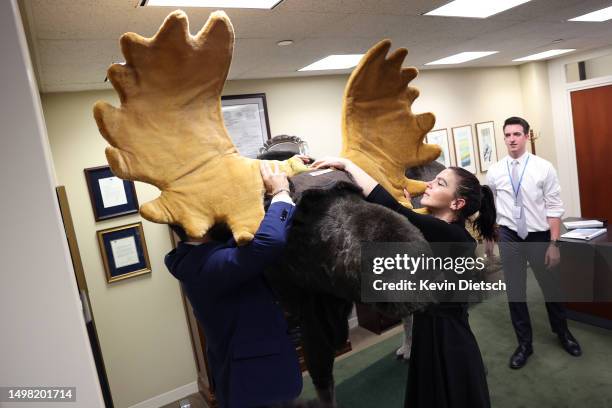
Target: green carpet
(551, 379)
(368, 377)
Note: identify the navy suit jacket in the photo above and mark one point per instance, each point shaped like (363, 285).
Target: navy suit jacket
(252, 360)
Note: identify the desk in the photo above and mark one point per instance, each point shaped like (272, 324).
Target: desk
(593, 261)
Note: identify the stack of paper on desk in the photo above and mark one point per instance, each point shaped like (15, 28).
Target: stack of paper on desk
(584, 233)
(583, 224)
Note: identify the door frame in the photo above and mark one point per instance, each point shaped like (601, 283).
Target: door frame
(79, 273)
(573, 87)
(571, 142)
(563, 123)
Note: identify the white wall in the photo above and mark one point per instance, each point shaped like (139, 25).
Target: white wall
(141, 321)
(43, 341)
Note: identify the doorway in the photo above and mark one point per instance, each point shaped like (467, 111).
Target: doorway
(592, 118)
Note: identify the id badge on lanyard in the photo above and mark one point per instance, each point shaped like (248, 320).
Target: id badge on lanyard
(517, 210)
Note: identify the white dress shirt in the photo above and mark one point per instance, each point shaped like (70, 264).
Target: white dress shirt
(539, 187)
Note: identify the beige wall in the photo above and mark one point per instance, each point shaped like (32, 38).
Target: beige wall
(307, 107)
(141, 321)
(536, 102)
(311, 107)
(594, 68)
(468, 96)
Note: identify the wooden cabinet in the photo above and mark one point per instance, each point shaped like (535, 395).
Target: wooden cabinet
(372, 320)
(586, 268)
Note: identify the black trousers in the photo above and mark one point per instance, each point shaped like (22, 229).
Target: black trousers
(322, 318)
(515, 253)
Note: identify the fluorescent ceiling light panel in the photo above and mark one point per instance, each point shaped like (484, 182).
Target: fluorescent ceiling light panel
(604, 14)
(545, 54)
(475, 8)
(259, 4)
(462, 57)
(334, 62)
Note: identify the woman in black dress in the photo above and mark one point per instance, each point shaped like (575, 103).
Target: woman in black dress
(446, 367)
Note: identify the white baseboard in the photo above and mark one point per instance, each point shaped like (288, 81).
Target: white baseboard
(353, 322)
(169, 397)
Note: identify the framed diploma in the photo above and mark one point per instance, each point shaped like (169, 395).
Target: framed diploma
(124, 252)
(109, 195)
(246, 120)
(464, 148)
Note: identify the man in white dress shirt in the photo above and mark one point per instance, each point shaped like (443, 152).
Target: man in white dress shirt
(529, 210)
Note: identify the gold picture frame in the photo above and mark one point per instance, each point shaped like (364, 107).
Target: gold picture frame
(124, 252)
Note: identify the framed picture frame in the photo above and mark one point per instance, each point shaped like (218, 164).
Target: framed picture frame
(246, 120)
(440, 137)
(487, 148)
(110, 196)
(463, 141)
(124, 252)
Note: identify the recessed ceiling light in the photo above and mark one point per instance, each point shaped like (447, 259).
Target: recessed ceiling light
(258, 4)
(475, 8)
(462, 57)
(284, 43)
(545, 54)
(334, 62)
(604, 14)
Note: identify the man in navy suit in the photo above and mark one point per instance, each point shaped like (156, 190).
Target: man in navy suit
(252, 360)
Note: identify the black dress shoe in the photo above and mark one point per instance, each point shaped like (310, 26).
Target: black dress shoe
(569, 344)
(520, 356)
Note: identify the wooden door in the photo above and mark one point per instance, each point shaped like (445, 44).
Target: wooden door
(592, 114)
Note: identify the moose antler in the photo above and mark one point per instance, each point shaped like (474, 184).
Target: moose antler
(169, 129)
(379, 131)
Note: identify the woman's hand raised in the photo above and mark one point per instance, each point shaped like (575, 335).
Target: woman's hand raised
(363, 179)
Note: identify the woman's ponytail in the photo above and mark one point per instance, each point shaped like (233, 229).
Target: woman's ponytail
(478, 198)
(484, 224)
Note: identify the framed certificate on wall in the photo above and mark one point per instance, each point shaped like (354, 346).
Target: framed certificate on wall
(124, 252)
(246, 120)
(110, 196)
